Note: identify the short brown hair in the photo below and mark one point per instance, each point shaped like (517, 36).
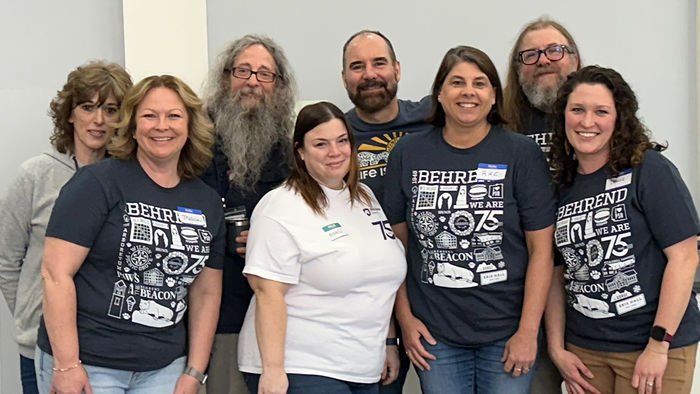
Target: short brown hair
(514, 100)
(196, 154)
(83, 83)
(300, 180)
(478, 58)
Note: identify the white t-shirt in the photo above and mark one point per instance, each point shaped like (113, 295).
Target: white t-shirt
(344, 269)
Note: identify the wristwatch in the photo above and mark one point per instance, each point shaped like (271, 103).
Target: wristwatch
(392, 341)
(660, 334)
(201, 377)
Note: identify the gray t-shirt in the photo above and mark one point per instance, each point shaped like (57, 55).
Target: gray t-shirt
(467, 210)
(147, 245)
(611, 232)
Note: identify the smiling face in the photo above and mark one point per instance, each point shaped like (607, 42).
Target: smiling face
(466, 96)
(326, 153)
(370, 76)
(589, 121)
(92, 124)
(255, 58)
(540, 81)
(161, 128)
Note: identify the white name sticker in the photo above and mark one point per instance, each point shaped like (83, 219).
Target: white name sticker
(491, 172)
(493, 277)
(624, 179)
(630, 304)
(191, 216)
(334, 231)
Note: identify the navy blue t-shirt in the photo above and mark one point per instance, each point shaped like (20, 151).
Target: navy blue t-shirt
(467, 211)
(611, 232)
(376, 141)
(147, 245)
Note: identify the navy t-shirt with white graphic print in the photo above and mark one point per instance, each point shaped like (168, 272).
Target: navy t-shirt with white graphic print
(147, 245)
(467, 211)
(611, 232)
(375, 141)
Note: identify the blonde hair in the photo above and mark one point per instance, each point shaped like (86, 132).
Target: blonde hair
(195, 155)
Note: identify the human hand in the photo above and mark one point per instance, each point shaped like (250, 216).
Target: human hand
(520, 353)
(413, 329)
(187, 384)
(243, 239)
(273, 381)
(73, 381)
(391, 365)
(571, 367)
(649, 369)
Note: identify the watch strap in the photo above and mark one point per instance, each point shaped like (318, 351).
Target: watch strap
(201, 377)
(392, 341)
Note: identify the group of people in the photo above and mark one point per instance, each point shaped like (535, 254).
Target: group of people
(502, 239)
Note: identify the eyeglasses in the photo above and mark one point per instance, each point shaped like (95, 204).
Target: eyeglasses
(553, 53)
(246, 73)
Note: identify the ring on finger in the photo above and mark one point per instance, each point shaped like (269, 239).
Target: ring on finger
(650, 383)
(518, 369)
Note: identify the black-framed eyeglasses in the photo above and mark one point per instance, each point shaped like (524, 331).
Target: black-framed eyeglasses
(553, 52)
(246, 73)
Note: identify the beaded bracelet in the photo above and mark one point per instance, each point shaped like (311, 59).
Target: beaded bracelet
(67, 368)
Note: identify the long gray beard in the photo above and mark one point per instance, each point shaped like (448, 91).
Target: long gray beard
(248, 135)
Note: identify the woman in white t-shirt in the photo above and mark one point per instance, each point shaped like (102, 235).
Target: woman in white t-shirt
(325, 267)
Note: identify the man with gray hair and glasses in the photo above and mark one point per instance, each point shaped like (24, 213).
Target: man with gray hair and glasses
(250, 96)
(543, 56)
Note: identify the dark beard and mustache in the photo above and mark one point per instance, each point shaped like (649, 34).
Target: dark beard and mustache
(542, 97)
(374, 101)
(248, 133)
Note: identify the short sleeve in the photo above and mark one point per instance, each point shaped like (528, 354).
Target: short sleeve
(534, 190)
(271, 251)
(218, 243)
(394, 200)
(665, 201)
(80, 210)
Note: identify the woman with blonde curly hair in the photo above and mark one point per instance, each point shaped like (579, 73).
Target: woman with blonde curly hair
(621, 317)
(83, 113)
(133, 243)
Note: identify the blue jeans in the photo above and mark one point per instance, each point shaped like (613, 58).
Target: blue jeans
(115, 381)
(28, 374)
(314, 384)
(459, 370)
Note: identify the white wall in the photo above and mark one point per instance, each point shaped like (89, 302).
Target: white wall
(651, 43)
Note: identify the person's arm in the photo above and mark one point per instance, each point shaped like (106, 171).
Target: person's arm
(676, 288)
(205, 298)
(521, 349)
(569, 365)
(15, 232)
(62, 259)
(271, 330)
(412, 328)
(391, 364)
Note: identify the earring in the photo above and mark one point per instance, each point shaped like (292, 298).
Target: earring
(567, 148)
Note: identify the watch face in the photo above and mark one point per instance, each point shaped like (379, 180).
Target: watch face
(658, 333)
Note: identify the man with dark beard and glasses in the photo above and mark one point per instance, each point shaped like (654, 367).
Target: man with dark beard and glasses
(543, 56)
(371, 75)
(250, 96)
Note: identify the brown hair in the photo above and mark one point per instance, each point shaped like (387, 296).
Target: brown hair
(629, 139)
(83, 83)
(478, 58)
(196, 154)
(514, 100)
(300, 180)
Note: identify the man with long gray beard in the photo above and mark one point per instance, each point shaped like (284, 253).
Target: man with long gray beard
(544, 54)
(250, 96)
(371, 75)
